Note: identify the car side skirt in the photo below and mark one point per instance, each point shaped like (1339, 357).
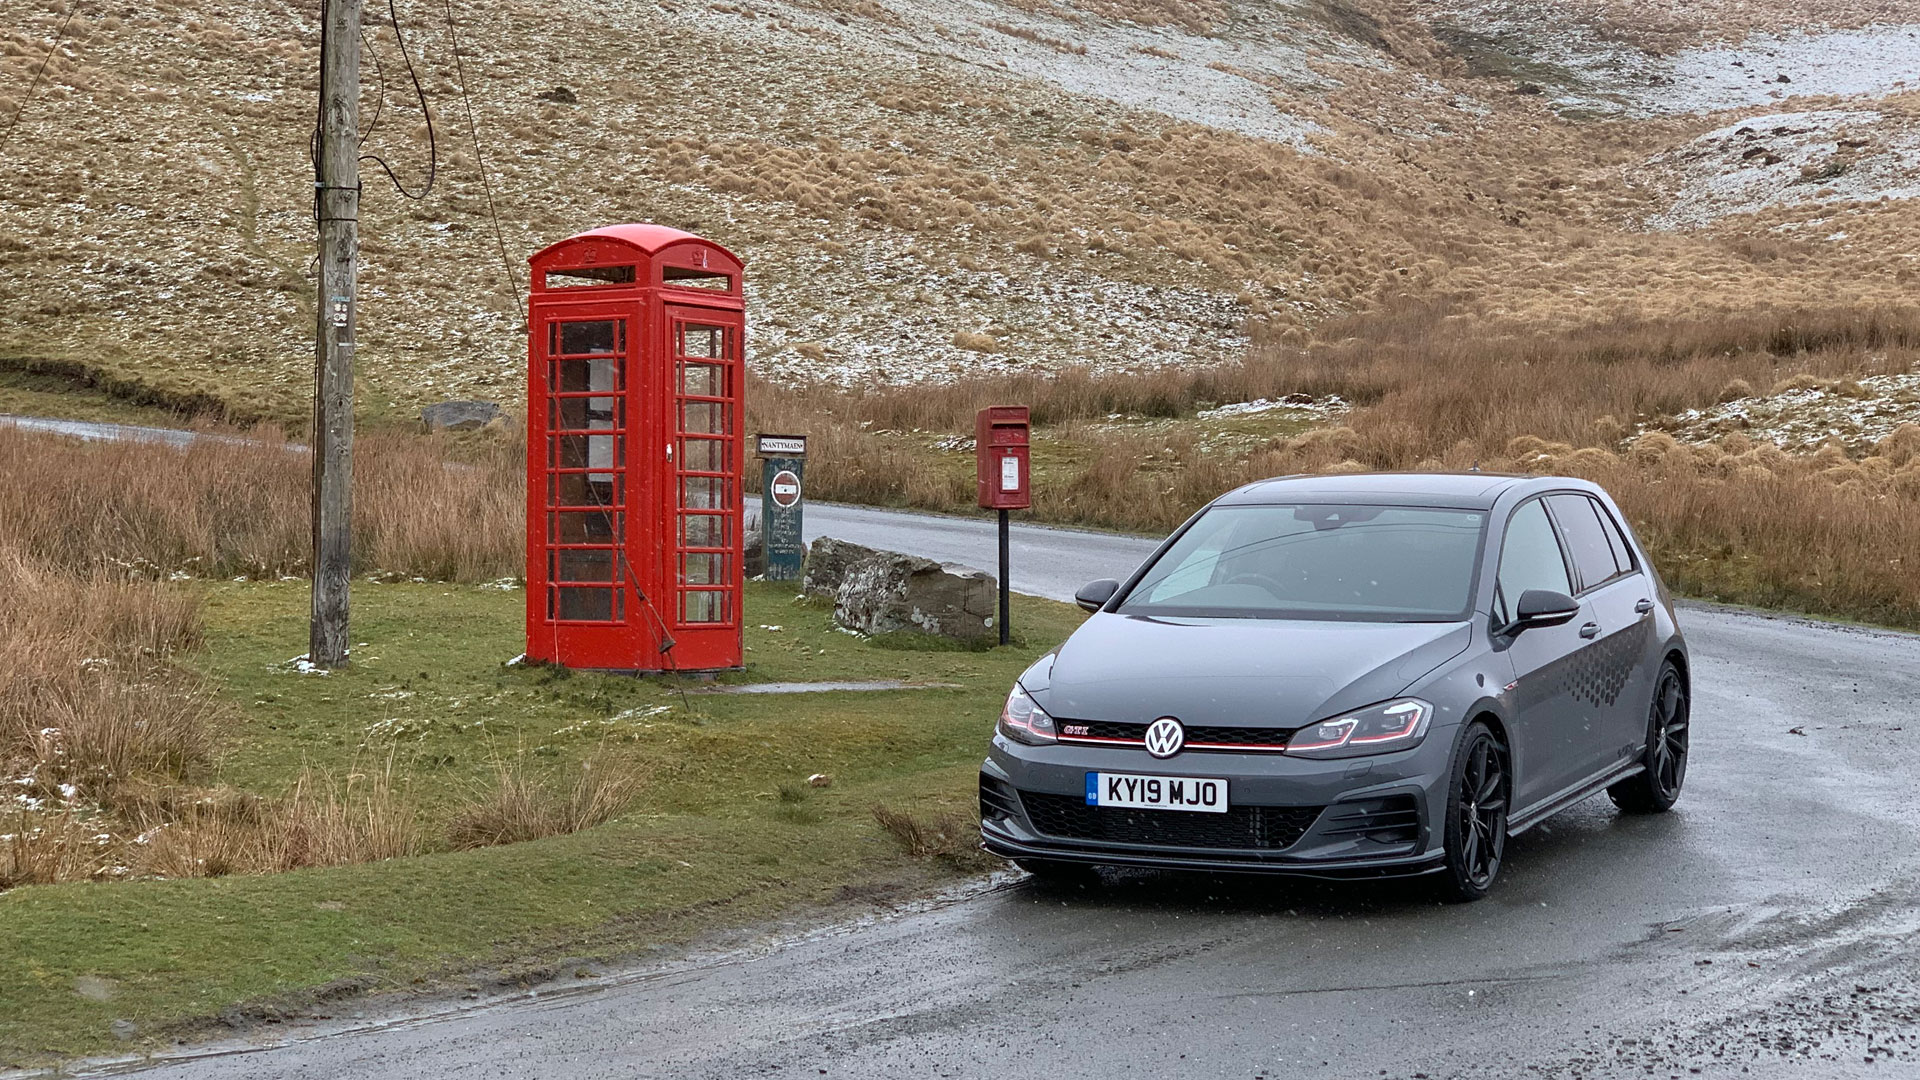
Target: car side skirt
(1585, 789)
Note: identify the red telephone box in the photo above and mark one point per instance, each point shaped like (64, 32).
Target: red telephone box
(635, 370)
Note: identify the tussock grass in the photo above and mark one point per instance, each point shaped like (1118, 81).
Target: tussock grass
(949, 836)
(517, 805)
(320, 821)
(89, 700)
(238, 503)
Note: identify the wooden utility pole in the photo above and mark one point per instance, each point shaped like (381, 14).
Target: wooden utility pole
(337, 197)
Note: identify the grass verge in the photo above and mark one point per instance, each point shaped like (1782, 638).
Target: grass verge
(723, 830)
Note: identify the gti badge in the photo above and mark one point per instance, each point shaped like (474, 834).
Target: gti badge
(1165, 737)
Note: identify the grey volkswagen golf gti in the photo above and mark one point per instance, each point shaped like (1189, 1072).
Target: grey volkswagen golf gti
(1349, 676)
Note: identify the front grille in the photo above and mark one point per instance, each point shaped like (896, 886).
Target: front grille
(1266, 828)
(1209, 736)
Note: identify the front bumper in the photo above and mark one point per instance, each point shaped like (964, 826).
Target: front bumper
(1358, 818)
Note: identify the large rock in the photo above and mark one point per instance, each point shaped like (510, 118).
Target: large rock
(884, 592)
(459, 415)
(754, 544)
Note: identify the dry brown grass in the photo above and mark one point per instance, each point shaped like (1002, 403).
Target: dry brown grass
(519, 805)
(230, 505)
(951, 836)
(1437, 391)
(42, 848)
(320, 821)
(89, 698)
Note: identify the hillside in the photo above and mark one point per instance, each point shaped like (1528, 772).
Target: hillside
(924, 189)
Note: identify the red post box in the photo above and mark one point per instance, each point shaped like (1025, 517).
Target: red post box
(1003, 476)
(634, 459)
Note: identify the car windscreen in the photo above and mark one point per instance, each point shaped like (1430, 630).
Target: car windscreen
(1317, 561)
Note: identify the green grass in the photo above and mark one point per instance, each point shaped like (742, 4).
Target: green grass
(725, 833)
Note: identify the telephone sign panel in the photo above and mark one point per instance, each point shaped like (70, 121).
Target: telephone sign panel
(783, 467)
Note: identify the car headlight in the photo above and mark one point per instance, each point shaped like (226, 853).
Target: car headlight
(1024, 721)
(1376, 729)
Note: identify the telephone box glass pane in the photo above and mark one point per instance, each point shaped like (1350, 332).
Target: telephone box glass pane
(589, 452)
(702, 341)
(586, 376)
(588, 605)
(586, 414)
(703, 492)
(703, 607)
(703, 530)
(584, 565)
(703, 455)
(703, 569)
(704, 418)
(703, 380)
(584, 489)
(584, 527)
(588, 338)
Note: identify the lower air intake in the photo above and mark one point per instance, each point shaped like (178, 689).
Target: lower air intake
(1260, 828)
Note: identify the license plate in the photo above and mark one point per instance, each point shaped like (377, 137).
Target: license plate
(1157, 792)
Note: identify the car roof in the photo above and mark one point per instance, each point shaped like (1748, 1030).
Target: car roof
(1467, 490)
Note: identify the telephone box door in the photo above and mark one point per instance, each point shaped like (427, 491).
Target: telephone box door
(584, 492)
(704, 504)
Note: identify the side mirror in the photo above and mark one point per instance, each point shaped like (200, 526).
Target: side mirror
(1542, 607)
(1094, 594)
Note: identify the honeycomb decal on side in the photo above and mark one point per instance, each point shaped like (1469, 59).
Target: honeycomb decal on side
(1600, 671)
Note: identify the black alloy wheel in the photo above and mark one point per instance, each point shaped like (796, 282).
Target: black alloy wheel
(1476, 815)
(1655, 790)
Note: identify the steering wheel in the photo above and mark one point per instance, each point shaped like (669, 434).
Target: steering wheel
(1263, 581)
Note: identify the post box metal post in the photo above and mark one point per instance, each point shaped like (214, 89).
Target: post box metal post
(1003, 480)
(783, 461)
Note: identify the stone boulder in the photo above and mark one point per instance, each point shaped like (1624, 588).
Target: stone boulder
(884, 592)
(754, 544)
(460, 415)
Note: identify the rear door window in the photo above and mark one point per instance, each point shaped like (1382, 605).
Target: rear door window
(1593, 552)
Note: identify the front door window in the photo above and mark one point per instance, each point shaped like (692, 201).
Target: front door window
(706, 437)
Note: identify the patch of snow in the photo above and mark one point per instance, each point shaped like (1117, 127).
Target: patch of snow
(1805, 418)
(1869, 62)
(301, 665)
(1790, 158)
(1301, 403)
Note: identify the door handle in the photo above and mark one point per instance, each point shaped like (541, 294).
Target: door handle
(1590, 629)
(1643, 607)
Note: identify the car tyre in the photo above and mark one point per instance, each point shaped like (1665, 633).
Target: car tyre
(1479, 788)
(1656, 788)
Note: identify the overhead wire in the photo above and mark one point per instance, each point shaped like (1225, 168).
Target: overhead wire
(33, 88)
(426, 111)
(480, 158)
(380, 80)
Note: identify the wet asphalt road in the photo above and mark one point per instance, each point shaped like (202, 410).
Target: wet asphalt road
(1763, 929)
